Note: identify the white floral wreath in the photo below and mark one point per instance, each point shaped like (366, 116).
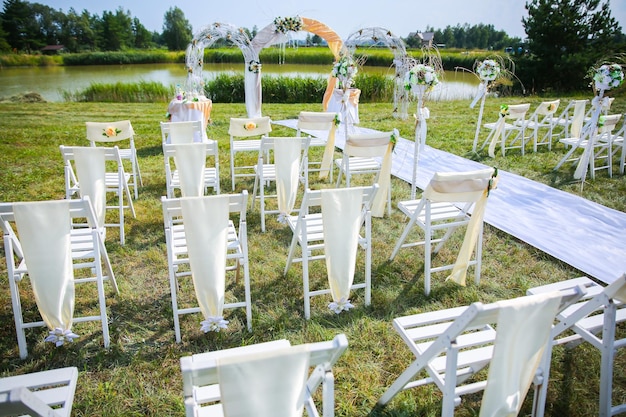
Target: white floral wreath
(488, 70)
(608, 76)
(286, 24)
(419, 75)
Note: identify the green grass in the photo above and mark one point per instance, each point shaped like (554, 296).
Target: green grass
(140, 376)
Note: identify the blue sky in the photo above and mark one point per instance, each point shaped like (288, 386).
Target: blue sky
(399, 16)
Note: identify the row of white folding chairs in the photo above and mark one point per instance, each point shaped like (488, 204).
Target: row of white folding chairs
(512, 338)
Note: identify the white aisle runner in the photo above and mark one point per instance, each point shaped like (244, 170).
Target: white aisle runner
(581, 233)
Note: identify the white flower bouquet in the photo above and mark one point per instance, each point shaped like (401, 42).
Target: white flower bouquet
(608, 76)
(488, 70)
(345, 70)
(420, 75)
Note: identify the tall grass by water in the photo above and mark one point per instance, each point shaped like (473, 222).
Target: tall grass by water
(139, 375)
(229, 88)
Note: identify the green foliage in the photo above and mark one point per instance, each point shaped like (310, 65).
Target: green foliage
(24, 60)
(566, 38)
(126, 58)
(141, 92)
(176, 30)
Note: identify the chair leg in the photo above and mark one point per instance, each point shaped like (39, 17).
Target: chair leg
(606, 366)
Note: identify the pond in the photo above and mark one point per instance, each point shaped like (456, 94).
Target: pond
(50, 82)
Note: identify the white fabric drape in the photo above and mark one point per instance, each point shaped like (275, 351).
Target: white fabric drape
(523, 333)
(190, 159)
(238, 126)
(181, 133)
(266, 384)
(590, 131)
(206, 229)
(321, 121)
(90, 170)
(372, 145)
(252, 86)
(498, 135)
(341, 218)
(44, 231)
(470, 186)
(482, 89)
(287, 160)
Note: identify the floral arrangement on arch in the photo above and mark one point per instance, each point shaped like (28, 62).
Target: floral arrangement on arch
(254, 66)
(608, 76)
(286, 24)
(488, 70)
(345, 69)
(420, 75)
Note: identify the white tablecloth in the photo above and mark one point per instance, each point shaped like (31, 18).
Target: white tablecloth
(189, 110)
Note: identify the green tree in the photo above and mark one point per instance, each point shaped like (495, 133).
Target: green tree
(565, 38)
(116, 30)
(142, 36)
(176, 30)
(21, 26)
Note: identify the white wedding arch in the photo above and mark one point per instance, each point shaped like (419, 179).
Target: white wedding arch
(401, 61)
(277, 32)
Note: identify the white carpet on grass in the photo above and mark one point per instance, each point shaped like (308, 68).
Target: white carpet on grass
(586, 235)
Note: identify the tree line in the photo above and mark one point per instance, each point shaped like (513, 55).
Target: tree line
(27, 27)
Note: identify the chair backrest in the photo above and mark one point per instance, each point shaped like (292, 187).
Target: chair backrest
(367, 145)
(247, 127)
(608, 123)
(316, 120)
(518, 111)
(172, 212)
(544, 112)
(202, 371)
(79, 209)
(180, 132)
(109, 131)
(459, 186)
(313, 198)
(36, 393)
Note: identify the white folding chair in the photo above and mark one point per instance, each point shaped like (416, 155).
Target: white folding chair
(595, 319)
(271, 379)
(573, 113)
(453, 346)
(181, 132)
(43, 394)
(445, 206)
(108, 133)
(115, 181)
(283, 161)
(509, 131)
(89, 257)
(543, 119)
(600, 148)
(180, 265)
(369, 154)
(321, 127)
(240, 131)
(192, 168)
(318, 239)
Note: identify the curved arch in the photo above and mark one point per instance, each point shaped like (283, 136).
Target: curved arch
(276, 33)
(402, 63)
(206, 37)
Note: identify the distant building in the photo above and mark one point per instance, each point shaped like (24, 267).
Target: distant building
(419, 39)
(52, 49)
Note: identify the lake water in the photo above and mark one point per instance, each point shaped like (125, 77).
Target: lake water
(50, 82)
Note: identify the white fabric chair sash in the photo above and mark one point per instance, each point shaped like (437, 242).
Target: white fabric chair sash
(96, 131)
(206, 229)
(472, 186)
(341, 218)
(578, 118)
(190, 159)
(268, 384)
(44, 230)
(249, 127)
(518, 351)
(371, 145)
(181, 133)
(321, 121)
(482, 89)
(90, 170)
(287, 160)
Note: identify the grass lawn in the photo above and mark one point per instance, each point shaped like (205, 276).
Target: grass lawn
(140, 375)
